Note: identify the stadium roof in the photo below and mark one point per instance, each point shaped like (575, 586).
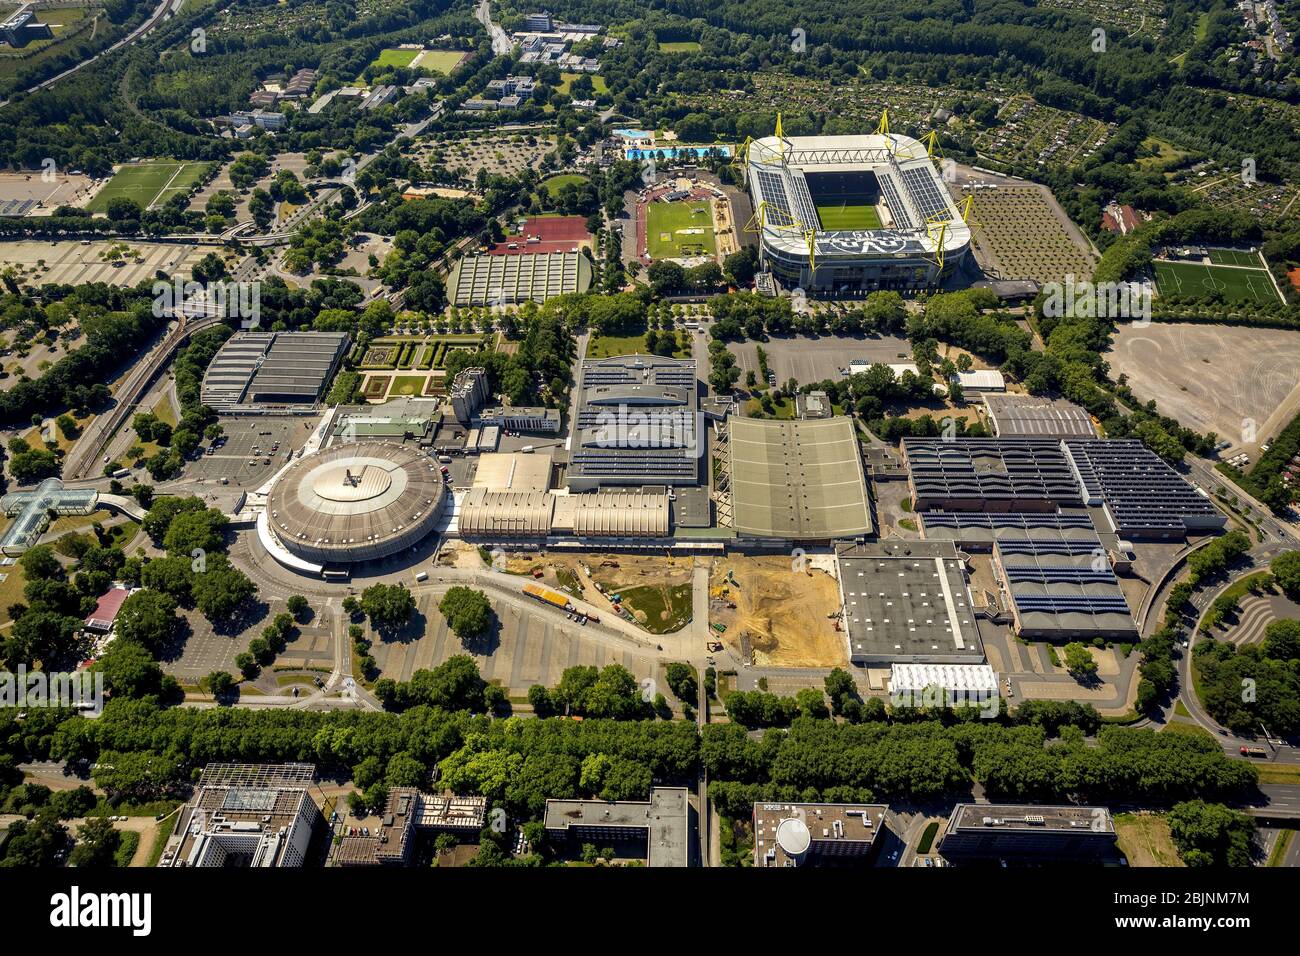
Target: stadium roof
(1029, 416)
(913, 191)
(506, 280)
(1141, 494)
(801, 480)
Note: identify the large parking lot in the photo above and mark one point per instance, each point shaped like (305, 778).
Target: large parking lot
(75, 262)
(531, 646)
(231, 460)
(814, 360)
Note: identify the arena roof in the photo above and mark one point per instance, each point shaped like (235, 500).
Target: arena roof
(506, 280)
(488, 513)
(910, 185)
(1029, 416)
(501, 471)
(801, 480)
(636, 422)
(356, 501)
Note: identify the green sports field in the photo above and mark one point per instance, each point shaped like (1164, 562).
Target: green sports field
(848, 215)
(1197, 279)
(150, 183)
(1233, 257)
(667, 225)
(395, 57)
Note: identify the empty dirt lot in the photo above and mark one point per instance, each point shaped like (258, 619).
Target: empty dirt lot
(782, 612)
(1213, 377)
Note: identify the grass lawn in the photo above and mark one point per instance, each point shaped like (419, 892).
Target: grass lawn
(1144, 840)
(681, 46)
(1233, 257)
(671, 230)
(556, 183)
(598, 83)
(848, 215)
(11, 590)
(1194, 278)
(393, 57)
(440, 61)
(784, 409)
(408, 385)
(606, 346)
(149, 183)
(1280, 847)
(1166, 153)
(665, 609)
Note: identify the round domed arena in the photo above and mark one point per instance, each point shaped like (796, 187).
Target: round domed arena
(356, 502)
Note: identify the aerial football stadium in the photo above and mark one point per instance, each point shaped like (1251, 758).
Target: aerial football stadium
(844, 214)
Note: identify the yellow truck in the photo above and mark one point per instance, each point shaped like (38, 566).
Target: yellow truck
(554, 598)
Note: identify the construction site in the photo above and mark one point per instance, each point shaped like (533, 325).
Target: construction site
(778, 610)
(652, 591)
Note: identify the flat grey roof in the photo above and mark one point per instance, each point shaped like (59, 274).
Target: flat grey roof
(665, 817)
(1030, 416)
(907, 601)
(801, 480)
(1029, 817)
(828, 824)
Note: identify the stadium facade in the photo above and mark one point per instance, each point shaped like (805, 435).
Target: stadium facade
(846, 214)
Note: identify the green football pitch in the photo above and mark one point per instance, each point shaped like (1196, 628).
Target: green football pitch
(149, 183)
(1198, 279)
(848, 215)
(676, 230)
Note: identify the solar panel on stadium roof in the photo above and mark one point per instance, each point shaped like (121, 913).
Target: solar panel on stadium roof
(919, 181)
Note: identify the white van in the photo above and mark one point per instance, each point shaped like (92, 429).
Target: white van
(422, 576)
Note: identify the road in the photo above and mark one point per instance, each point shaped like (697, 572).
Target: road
(165, 9)
(84, 456)
(501, 45)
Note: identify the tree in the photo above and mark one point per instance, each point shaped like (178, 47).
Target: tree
(148, 618)
(468, 612)
(387, 605)
(297, 605)
(219, 684)
(195, 530)
(1286, 569)
(1210, 834)
(682, 682)
(1282, 640)
(221, 588)
(97, 842)
(130, 670)
(40, 562)
(1079, 660)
